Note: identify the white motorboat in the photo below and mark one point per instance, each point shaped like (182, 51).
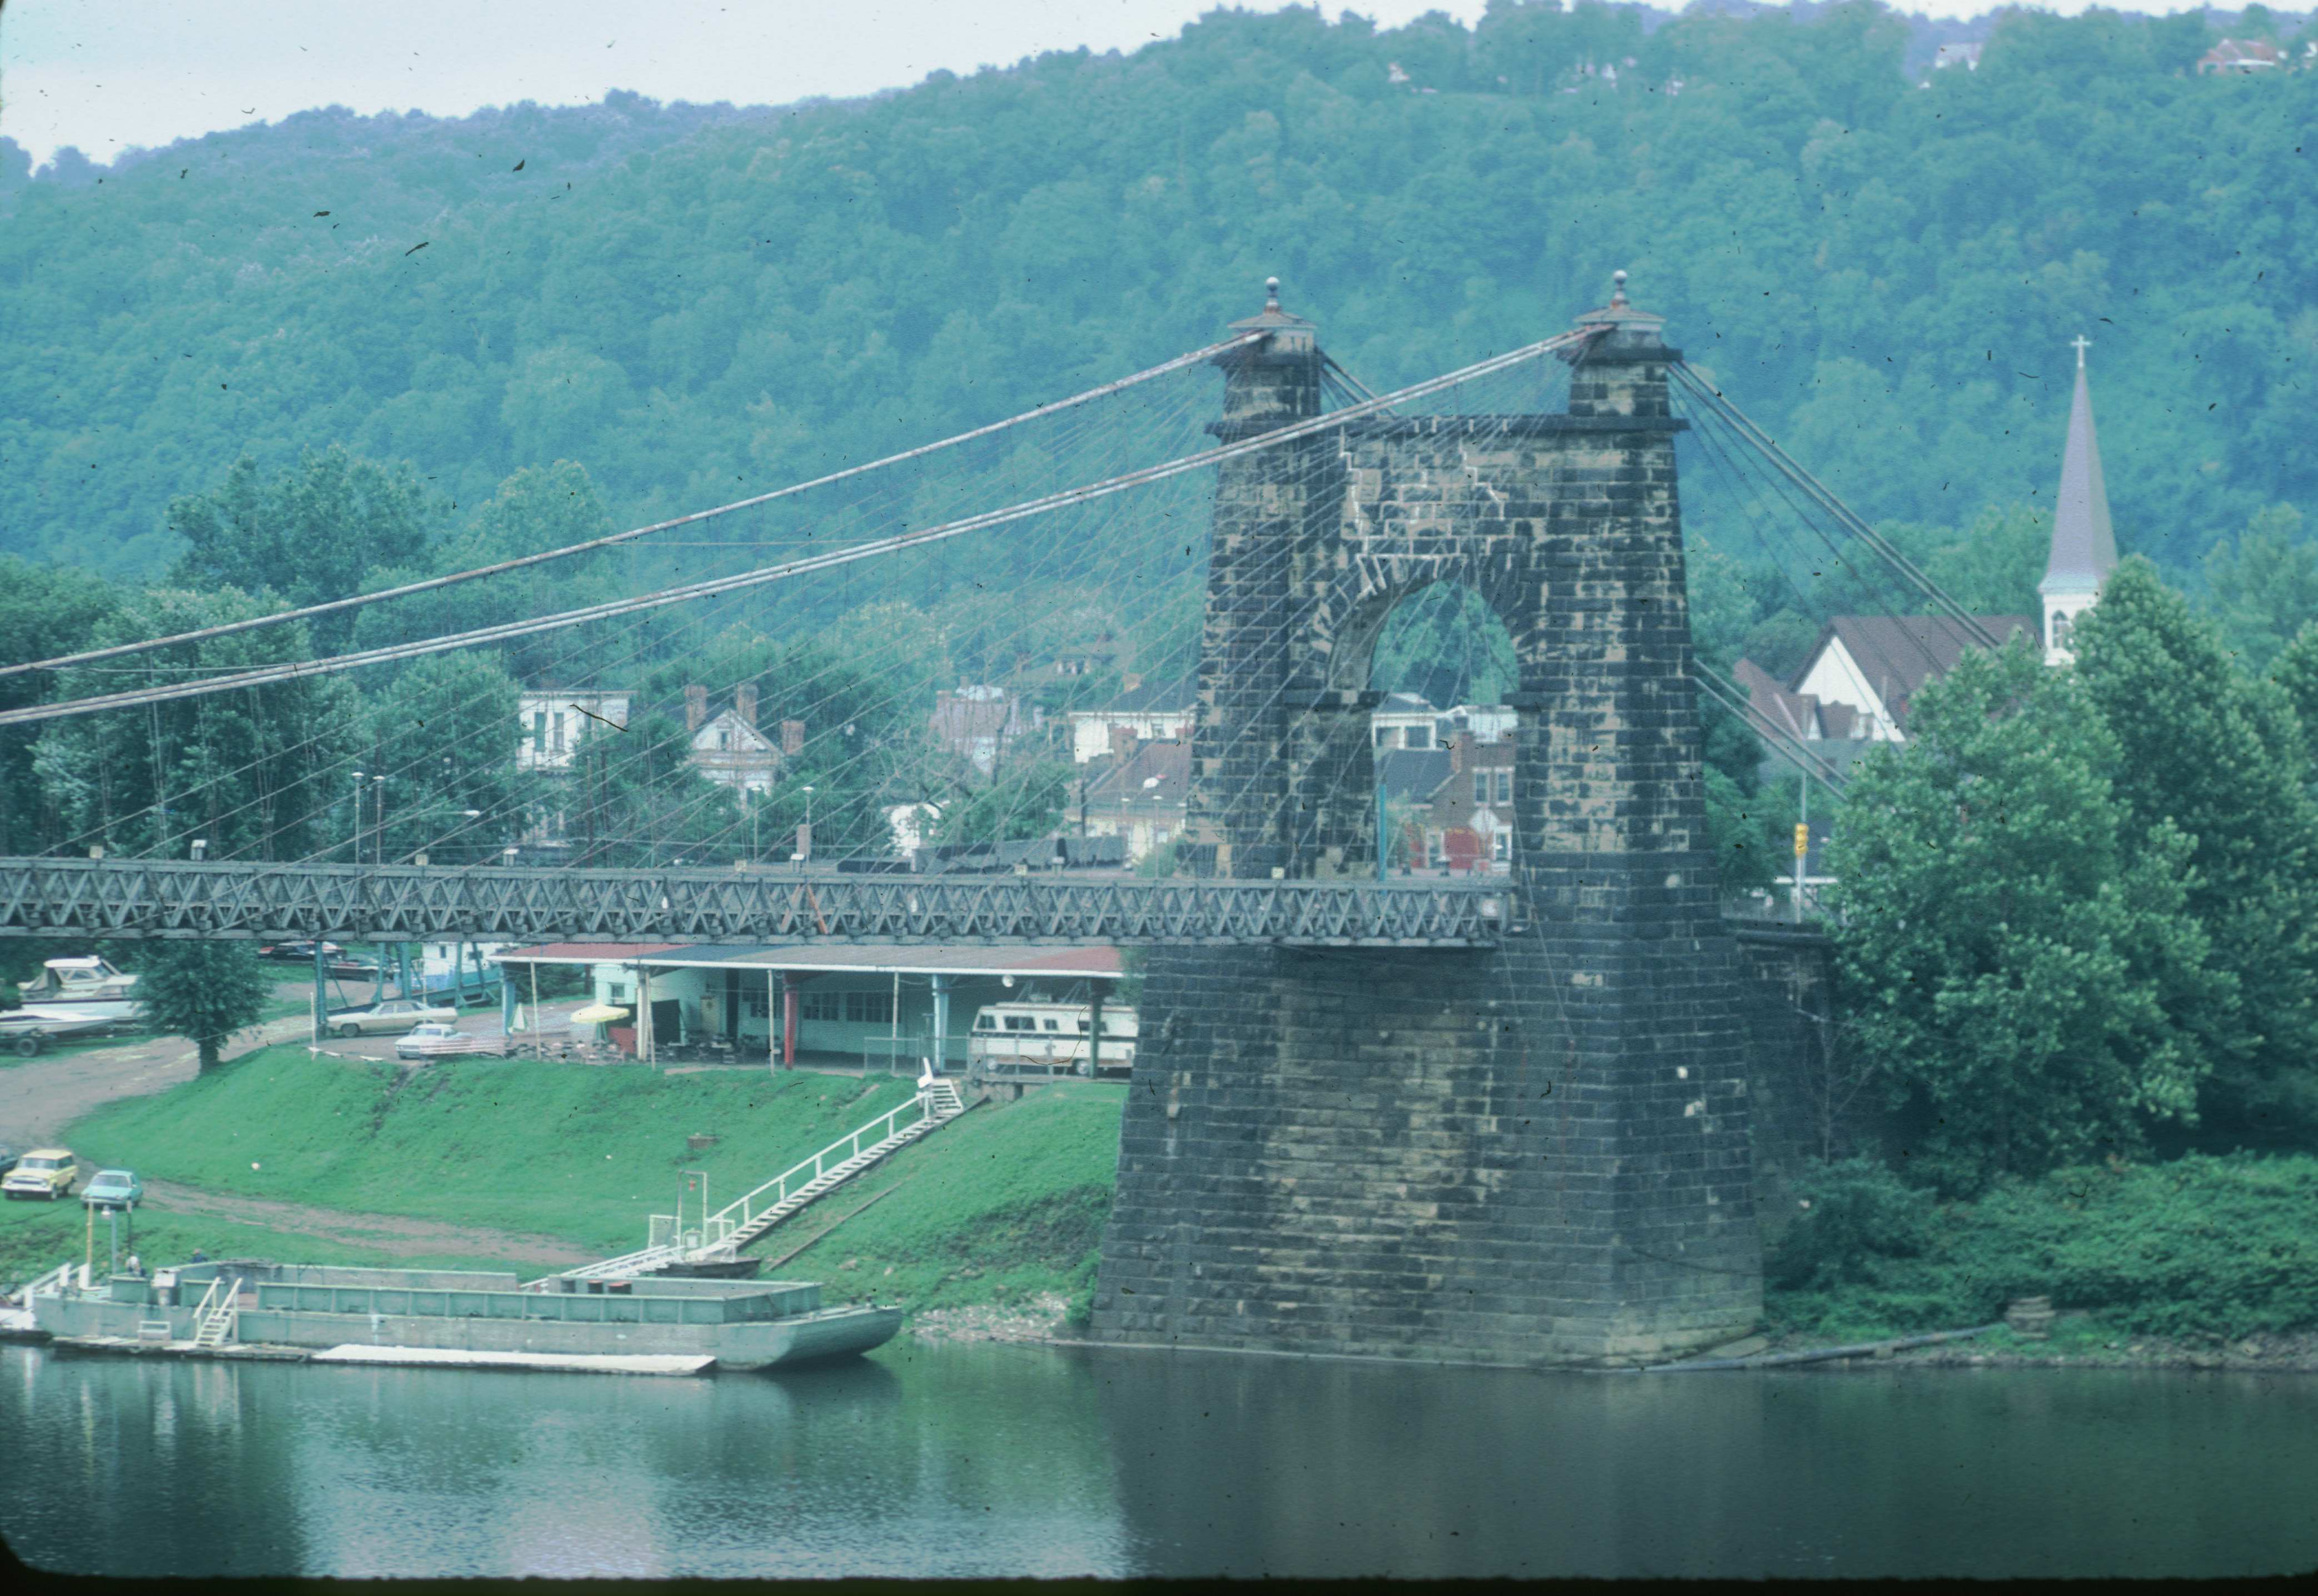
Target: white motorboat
(50, 1022)
(86, 986)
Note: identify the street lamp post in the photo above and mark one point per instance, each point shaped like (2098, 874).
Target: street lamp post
(805, 853)
(378, 820)
(357, 832)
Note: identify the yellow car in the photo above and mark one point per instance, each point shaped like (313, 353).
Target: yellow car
(44, 1173)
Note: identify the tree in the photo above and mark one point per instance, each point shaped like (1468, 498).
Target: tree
(253, 773)
(306, 533)
(2263, 585)
(45, 611)
(2220, 756)
(203, 990)
(2017, 948)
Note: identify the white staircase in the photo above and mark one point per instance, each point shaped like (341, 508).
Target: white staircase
(725, 1233)
(214, 1317)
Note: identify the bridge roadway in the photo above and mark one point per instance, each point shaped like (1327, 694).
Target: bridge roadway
(137, 898)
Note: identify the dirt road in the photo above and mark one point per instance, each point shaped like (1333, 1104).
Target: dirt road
(387, 1233)
(41, 1096)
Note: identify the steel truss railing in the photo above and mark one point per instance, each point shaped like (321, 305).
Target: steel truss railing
(131, 898)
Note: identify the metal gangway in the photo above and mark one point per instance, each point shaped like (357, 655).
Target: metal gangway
(722, 1234)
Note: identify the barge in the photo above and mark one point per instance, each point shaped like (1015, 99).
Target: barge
(252, 1307)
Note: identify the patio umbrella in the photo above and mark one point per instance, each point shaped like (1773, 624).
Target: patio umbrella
(600, 1015)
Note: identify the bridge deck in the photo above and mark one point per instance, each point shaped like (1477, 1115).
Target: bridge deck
(135, 898)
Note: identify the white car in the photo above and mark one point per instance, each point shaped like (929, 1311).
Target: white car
(385, 1019)
(437, 1041)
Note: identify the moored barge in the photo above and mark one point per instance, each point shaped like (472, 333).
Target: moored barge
(247, 1306)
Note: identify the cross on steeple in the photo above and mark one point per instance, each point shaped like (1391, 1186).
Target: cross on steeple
(2080, 343)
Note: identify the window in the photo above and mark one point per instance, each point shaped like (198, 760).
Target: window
(870, 1008)
(1018, 1022)
(1480, 786)
(1501, 846)
(1504, 786)
(539, 731)
(615, 991)
(823, 1006)
(1082, 1027)
(1383, 737)
(985, 1022)
(1418, 737)
(1051, 1026)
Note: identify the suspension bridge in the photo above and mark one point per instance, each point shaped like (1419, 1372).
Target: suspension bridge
(1504, 1122)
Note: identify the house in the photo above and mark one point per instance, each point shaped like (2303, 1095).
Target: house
(1405, 721)
(981, 724)
(728, 748)
(1152, 711)
(553, 724)
(1137, 794)
(1449, 809)
(2241, 55)
(1965, 55)
(1468, 818)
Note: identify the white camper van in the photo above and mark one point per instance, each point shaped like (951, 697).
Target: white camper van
(1030, 1037)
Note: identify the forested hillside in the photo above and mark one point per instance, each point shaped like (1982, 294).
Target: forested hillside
(688, 302)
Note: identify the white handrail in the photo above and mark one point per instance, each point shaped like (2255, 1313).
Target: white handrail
(819, 1164)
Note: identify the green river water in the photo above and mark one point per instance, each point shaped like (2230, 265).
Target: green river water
(993, 1460)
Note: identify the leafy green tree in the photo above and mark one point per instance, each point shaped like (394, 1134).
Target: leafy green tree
(1023, 800)
(2220, 757)
(45, 611)
(2018, 950)
(254, 772)
(2263, 585)
(204, 990)
(444, 735)
(306, 533)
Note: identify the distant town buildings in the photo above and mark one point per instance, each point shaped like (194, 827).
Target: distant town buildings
(981, 723)
(1150, 711)
(2241, 56)
(553, 724)
(1137, 794)
(1965, 55)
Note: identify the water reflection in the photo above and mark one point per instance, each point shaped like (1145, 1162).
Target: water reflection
(994, 1461)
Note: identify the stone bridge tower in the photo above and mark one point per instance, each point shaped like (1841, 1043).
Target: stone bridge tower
(1534, 1153)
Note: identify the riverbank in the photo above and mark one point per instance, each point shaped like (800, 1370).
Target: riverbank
(536, 1166)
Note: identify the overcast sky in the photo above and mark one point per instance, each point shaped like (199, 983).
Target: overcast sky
(112, 75)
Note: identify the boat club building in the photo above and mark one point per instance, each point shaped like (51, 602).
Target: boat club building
(820, 1003)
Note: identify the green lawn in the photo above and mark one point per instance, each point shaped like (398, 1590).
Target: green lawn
(36, 1237)
(998, 1206)
(580, 1152)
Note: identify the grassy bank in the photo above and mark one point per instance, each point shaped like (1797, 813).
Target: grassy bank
(1003, 1205)
(2198, 1250)
(35, 1237)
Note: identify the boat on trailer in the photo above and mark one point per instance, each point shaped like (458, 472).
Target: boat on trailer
(87, 986)
(486, 1319)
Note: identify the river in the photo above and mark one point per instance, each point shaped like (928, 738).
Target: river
(982, 1460)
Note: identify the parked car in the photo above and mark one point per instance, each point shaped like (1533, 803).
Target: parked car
(390, 1017)
(7, 1158)
(44, 1173)
(114, 1189)
(437, 1041)
(299, 952)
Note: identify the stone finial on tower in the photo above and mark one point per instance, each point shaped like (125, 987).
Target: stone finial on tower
(2084, 544)
(1620, 369)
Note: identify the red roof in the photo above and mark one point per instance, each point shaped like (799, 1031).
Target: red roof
(583, 953)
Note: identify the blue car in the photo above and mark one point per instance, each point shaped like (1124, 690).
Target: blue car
(114, 1189)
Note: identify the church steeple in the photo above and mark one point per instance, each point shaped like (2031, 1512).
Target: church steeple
(2084, 547)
